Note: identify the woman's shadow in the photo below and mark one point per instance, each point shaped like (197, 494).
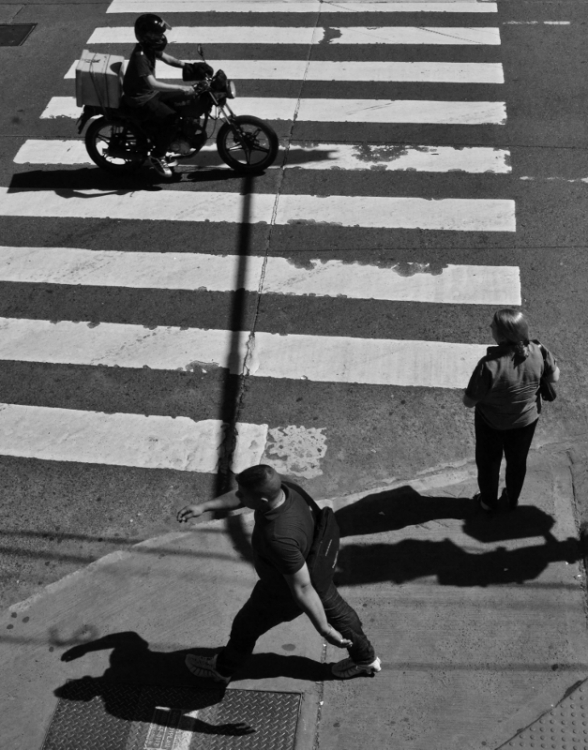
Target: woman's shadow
(410, 559)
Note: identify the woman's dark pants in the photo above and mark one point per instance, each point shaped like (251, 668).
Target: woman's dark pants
(263, 611)
(491, 445)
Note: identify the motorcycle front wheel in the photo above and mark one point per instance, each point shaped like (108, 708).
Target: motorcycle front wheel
(116, 146)
(247, 144)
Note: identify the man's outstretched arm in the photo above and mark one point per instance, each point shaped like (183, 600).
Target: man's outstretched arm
(228, 501)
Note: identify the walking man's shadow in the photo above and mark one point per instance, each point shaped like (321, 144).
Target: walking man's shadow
(153, 680)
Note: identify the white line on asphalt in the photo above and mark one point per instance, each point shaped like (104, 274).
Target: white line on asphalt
(298, 6)
(150, 442)
(416, 111)
(454, 214)
(398, 158)
(464, 215)
(434, 35)
(319, 70)
(327, 359)
(340, 359)
(324, 156)
(406, 281)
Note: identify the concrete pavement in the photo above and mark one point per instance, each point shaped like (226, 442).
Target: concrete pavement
(480, 623)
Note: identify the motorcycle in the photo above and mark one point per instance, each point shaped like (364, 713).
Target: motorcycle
(120, 143)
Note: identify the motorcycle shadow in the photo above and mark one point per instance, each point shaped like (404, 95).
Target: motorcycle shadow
(86, 178)
(76, 181)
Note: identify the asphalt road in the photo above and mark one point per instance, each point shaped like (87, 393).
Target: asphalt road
(61, 510)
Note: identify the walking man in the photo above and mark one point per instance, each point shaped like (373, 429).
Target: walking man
(285, 517)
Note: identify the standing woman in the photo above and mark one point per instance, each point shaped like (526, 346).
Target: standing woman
(504, 388)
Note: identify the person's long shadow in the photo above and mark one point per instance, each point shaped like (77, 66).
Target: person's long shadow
(411, 559)
(160, 679)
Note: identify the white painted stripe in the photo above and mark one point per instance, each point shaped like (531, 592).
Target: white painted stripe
(340, 359)
(406, 282)
(402, 282)
(398, 213)
(309, 35)
(350, 211)
(337, 359)
(390, 111)
(151, 442)
(217, 35)
(298, 6)
(117, 345)
(319, 70)
(345, 110)
(320, 156)
(395, 158)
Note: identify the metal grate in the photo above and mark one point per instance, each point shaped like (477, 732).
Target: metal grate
(565, 727)
(14, 34)
(103, 716)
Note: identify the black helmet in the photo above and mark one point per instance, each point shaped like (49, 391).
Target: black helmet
(150, 31)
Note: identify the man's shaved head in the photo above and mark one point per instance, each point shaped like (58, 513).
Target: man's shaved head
(260, 481)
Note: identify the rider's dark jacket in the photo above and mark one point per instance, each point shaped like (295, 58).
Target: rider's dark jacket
(135, 87)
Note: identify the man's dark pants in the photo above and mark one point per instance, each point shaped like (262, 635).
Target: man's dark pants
(491, 445)
(264, 610)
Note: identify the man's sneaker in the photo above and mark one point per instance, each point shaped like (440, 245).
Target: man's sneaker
(160, 165)
(205, 667)
(172, 159)
(347, 668)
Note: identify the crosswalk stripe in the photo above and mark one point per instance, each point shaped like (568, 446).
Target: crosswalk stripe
(324, 156)
(406, 282)
(415, 111)
(327, 359)
(295, 6)
(320, 70)
(467, 215)
(433, 35)
(151, 442)
(398, 158)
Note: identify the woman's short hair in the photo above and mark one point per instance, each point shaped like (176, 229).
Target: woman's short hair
(512, 327)
(261, 481)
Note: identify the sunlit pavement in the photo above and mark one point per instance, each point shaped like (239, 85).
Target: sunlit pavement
(479, 621)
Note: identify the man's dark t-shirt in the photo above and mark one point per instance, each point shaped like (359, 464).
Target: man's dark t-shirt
(282, 539)
(135, 87)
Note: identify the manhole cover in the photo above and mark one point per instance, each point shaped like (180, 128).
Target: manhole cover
(14, 34)
(127, 717)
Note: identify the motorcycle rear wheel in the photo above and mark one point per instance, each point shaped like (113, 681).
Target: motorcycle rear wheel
(247, 145)
(130, 143)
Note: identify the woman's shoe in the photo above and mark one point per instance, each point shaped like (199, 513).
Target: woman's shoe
(487, 509)
(505, 498)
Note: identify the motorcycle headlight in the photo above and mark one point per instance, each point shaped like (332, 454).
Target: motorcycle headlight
(232, 90)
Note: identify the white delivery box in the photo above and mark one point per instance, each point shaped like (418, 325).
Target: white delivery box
(99, 79)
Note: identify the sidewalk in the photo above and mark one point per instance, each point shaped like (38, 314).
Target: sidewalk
(479, 622)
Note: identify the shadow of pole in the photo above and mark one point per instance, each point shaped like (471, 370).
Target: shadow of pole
(234, 373)
(233, 381)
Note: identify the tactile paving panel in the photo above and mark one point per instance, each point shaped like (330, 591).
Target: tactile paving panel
(565, 727)
(102, 716)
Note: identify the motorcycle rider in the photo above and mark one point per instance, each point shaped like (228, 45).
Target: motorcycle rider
(151, 101)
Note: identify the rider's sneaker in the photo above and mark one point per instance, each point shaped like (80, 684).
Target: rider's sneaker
(161, 166)
(171, 159)
(205, 667)
(347, 668)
